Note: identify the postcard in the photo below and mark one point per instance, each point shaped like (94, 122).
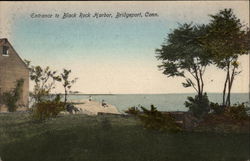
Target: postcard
(124, 81)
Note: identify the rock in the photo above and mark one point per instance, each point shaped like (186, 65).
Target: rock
(93, 107)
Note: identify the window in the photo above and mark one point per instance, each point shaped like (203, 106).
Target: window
(5, 50)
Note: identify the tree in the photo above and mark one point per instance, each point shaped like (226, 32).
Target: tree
(155, 120)
(226, 39)
(182, 55)
(199, 108)
(11, 98)
(44, 79)
(67, 83)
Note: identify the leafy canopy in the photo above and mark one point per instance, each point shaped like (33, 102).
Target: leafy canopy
(226, 38)
(183, 51)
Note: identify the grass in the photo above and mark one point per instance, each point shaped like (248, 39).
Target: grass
(111, 138)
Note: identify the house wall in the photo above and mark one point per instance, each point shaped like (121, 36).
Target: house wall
(12, 68)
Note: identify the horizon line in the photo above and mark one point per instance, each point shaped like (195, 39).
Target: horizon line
(147, 93)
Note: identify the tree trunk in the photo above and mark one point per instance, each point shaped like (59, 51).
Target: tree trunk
(65, 96)
(230, 84)
(224, 93)
(225, 87)
(198, 84)
(228, 93)
(202, 82)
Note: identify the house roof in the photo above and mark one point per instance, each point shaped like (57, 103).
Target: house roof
(5, 40)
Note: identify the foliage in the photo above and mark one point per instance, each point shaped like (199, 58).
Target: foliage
(153, 119)
(11, 98)
(189, 49)
(82, 138)
(71, 108)
(226, 39)
(133, 111)
(67, 83)
(237, 112)
(44, 79)
(45, 106)
(182, 55)
(216, 108)
(198, 107)
(47, 109)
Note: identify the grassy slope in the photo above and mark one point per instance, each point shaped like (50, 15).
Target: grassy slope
(110, 138)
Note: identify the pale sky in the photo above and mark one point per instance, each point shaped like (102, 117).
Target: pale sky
(111, 55)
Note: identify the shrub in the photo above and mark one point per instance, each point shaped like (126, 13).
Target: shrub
(132, 110)
(71, 108)
(47, 109)
(11, 98)
(217, 109)
(153, 119)
(198, 106)
(237, 112)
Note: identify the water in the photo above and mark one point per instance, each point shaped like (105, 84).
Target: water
(164, 102)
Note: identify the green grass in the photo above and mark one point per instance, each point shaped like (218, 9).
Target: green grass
(111, 138)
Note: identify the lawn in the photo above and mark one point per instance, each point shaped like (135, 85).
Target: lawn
(111, 138)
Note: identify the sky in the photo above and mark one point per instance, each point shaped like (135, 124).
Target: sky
(113, 55)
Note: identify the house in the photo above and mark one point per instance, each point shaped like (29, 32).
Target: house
(12, 68)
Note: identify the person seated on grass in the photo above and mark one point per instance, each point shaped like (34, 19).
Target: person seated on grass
(104, 104)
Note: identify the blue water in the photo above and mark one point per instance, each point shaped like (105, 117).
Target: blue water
(164, 102)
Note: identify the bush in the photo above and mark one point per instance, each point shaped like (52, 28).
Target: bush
(11, 98)
(153, 119)
(132, 110)
(47, 109)
(71, 108)
(198, 106)
(237, 112)
(217, 109)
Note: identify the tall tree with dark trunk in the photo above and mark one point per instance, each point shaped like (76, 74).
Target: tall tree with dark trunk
(226, 39)
(182, 55)
(67, 83)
